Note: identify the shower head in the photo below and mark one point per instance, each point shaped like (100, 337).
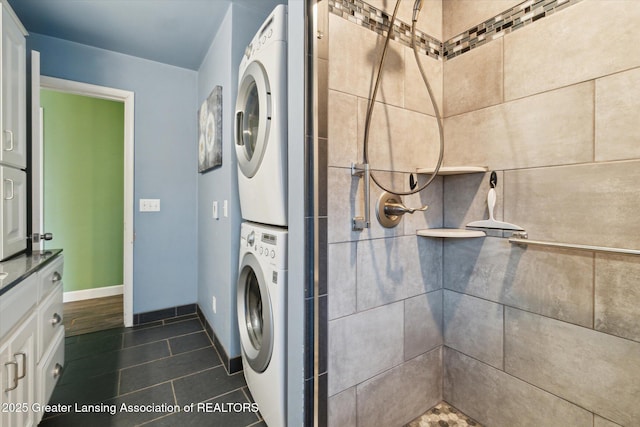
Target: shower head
(416, 10)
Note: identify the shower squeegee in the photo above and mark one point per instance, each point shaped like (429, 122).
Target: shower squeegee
(491, 202)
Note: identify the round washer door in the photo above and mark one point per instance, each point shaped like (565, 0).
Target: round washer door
(254, 314)
(253, 118)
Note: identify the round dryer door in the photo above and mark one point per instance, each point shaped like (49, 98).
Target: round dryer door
(254, 314)
(253, 118)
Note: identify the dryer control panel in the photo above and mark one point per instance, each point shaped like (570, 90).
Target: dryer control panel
(273, 30)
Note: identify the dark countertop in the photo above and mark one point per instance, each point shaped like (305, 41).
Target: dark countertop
(14, 270)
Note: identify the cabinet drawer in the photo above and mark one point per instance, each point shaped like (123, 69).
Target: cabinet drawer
(50, 277)
(49, 319)
(50, 369)
(17, 303)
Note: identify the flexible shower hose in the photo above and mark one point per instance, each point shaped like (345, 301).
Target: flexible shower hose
(372, 102)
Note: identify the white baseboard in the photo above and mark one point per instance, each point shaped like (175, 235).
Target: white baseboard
(107, 291)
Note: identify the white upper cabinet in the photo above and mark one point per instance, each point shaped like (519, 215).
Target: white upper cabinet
(14, 211)
(14, 130)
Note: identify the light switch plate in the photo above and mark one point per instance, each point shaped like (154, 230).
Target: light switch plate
(149, 205)
(215, 210)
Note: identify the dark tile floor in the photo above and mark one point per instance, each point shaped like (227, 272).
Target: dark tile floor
(158, 367)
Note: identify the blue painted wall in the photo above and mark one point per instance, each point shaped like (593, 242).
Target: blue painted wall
(218, 240)
(166, 102)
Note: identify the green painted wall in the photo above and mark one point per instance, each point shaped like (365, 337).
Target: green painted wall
(83, 186)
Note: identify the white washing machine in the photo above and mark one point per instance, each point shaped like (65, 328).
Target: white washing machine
(262, 292)
(261, 123)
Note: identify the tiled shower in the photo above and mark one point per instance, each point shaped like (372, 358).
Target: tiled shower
(547, 94)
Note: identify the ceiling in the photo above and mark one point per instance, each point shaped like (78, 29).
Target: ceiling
(176, 32)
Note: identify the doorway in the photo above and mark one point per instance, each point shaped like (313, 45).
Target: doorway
(93, 212)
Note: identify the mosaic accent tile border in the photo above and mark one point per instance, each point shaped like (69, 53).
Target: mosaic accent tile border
(508, 21)
(519, 16)
(443, 415)
(378, 21)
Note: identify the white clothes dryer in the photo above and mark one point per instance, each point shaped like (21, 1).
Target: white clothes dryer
(262, 292)
(261, 123)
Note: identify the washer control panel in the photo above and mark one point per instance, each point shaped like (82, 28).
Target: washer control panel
(268, 244)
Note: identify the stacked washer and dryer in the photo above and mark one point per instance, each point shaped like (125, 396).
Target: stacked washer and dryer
(261, 149)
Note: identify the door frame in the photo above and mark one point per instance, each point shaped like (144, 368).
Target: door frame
(127, 98)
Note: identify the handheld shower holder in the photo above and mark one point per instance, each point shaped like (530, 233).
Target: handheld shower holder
(359, 223)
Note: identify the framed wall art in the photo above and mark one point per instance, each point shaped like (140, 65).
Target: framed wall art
(210, 131)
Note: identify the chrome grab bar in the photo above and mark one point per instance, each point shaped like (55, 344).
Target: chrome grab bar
(522, 239)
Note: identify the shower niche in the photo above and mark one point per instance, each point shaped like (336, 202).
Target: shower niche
(452, 233)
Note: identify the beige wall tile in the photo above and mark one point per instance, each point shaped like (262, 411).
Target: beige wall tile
(499, 400)
(416, 95)
(342, 279)
(572, 46)
(344, 201)
(465, 198)
(322, 43)
(422, 324)
(341, 409)
(401, 394)
(399, 139)
(617, 116)
(550, 282)
(343, 129)
(602, 422)
(431, 197)
(354, 54)
(594, 204)
(474, 327)
(364, 345)
(460, 15)
(429, 20)
(548, 129)
(618, 295)
(597, 371)
(473, 80)
(393, 269)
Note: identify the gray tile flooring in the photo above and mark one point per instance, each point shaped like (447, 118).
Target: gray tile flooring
(158, 367)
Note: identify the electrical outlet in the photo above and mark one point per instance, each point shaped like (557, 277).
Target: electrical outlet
(149, 205)
(213, 304)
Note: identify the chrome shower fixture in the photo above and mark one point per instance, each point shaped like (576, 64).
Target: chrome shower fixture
(390, 209)
(416, 10)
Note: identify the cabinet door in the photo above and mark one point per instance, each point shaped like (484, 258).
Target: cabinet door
(18, 389)
(14, 213)
(13, 94)
(6, 381)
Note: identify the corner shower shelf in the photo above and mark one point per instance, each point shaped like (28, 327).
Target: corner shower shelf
(454, 170)
(456, 233)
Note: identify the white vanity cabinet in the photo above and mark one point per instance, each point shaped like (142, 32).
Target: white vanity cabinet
(14, 92)
(31, 343)
(19, 374)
